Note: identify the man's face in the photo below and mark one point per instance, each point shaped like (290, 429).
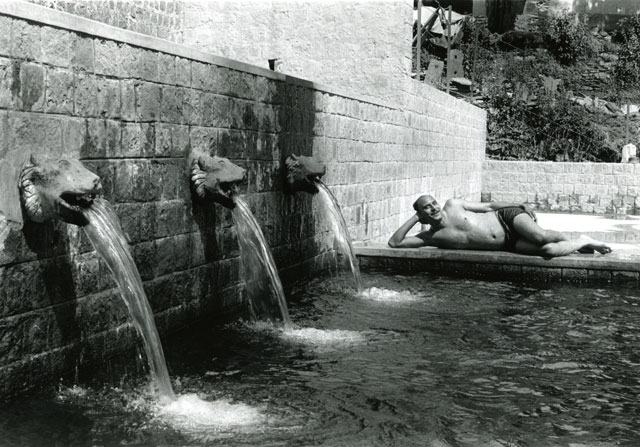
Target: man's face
(428, 209)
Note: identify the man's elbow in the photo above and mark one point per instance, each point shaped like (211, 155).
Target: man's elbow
(393, 244)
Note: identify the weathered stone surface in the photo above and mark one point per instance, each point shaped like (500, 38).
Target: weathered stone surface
(109, 58)
(204, 76)
(183, 72)
(57, 47)
(5, 36)
(172, 140)
(166, 68)
(82, 54)
(86, 103)
(138, 140)
(108, 98)
(171, 107)
(73, 137)
(32, 87)
(34, 133)
(60, 92)
(8, 83)
(25, 40)
(148, 101)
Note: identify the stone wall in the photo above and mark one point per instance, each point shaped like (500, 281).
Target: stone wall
(603, 188)
(130, 107)
(162, 19)
(364, 47)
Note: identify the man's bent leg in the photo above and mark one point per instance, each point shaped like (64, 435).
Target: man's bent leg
(561, 248)
(526, 228)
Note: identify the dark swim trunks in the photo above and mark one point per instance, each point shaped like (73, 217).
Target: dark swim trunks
(506, 216)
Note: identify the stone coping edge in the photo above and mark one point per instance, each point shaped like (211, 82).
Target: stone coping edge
(574, 261)
(63, 20)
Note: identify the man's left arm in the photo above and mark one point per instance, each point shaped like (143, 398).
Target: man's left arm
(487, 207)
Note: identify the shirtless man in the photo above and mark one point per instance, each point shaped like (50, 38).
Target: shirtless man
(487, 226)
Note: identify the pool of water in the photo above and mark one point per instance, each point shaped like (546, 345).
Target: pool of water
(414, 361)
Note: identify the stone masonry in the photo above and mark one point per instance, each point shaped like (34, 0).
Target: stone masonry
(603, 188)
(131, 113)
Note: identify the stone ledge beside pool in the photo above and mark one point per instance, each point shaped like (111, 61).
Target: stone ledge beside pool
(619, 266)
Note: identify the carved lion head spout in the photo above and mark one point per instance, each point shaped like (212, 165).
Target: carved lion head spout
(303, 172)
(57, 188)
(215, 178)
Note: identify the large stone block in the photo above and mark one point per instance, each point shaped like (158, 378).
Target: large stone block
(26, 42)
(128, 100)
(73, 137)
(204, 139)
(164, 177)
(170, 217)
(32, 87)
(132, 181)
(82, 57)
(193, 108)
(35, 133)
(9, 82)
(5, 35)
(171, 106)
(85, 95)
(108, 98)
(145, 257)
(138, 140)
(57, 47)
(172, 140)
(148, 101)
(166, 68)
(60, 92)
(183, 72)
(204, 76)
(109, 58)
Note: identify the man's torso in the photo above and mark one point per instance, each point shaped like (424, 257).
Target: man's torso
(468, 230)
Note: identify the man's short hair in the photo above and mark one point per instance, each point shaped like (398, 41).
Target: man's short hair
(415, 204)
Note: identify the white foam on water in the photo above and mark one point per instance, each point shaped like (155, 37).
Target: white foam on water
(388, 296)
(189, 411)
(75, 391)
(324, 337)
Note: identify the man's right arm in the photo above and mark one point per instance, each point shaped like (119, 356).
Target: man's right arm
(401, 240)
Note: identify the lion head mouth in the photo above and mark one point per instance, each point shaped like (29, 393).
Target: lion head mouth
(57, 188)
(216, 178)
(304, 173)
(71, 204)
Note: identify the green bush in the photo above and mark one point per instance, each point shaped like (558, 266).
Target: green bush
(627, 27)
(552, 130)
(567, 39)
(626, 72)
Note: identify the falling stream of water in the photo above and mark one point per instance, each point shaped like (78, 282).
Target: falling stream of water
(266, 296)
(339, 226)
(107, 238)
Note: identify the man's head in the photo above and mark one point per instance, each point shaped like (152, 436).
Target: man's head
(428, 209)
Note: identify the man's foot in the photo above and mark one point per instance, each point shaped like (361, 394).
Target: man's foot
(591, 246)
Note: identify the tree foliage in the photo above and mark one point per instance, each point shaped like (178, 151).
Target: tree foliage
(567, 38)
(549, 129)
(626, 72)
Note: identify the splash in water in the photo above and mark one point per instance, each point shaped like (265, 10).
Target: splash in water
(191, 412)
(340, 230)
(108, 239)
(388, 296)
(264, 289)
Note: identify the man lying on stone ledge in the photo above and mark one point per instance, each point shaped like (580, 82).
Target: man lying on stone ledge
(487, 226)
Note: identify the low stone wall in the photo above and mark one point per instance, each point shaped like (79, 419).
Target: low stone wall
(130, 107)
(602, 188)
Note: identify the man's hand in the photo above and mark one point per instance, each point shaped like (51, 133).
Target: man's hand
(422, 220)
